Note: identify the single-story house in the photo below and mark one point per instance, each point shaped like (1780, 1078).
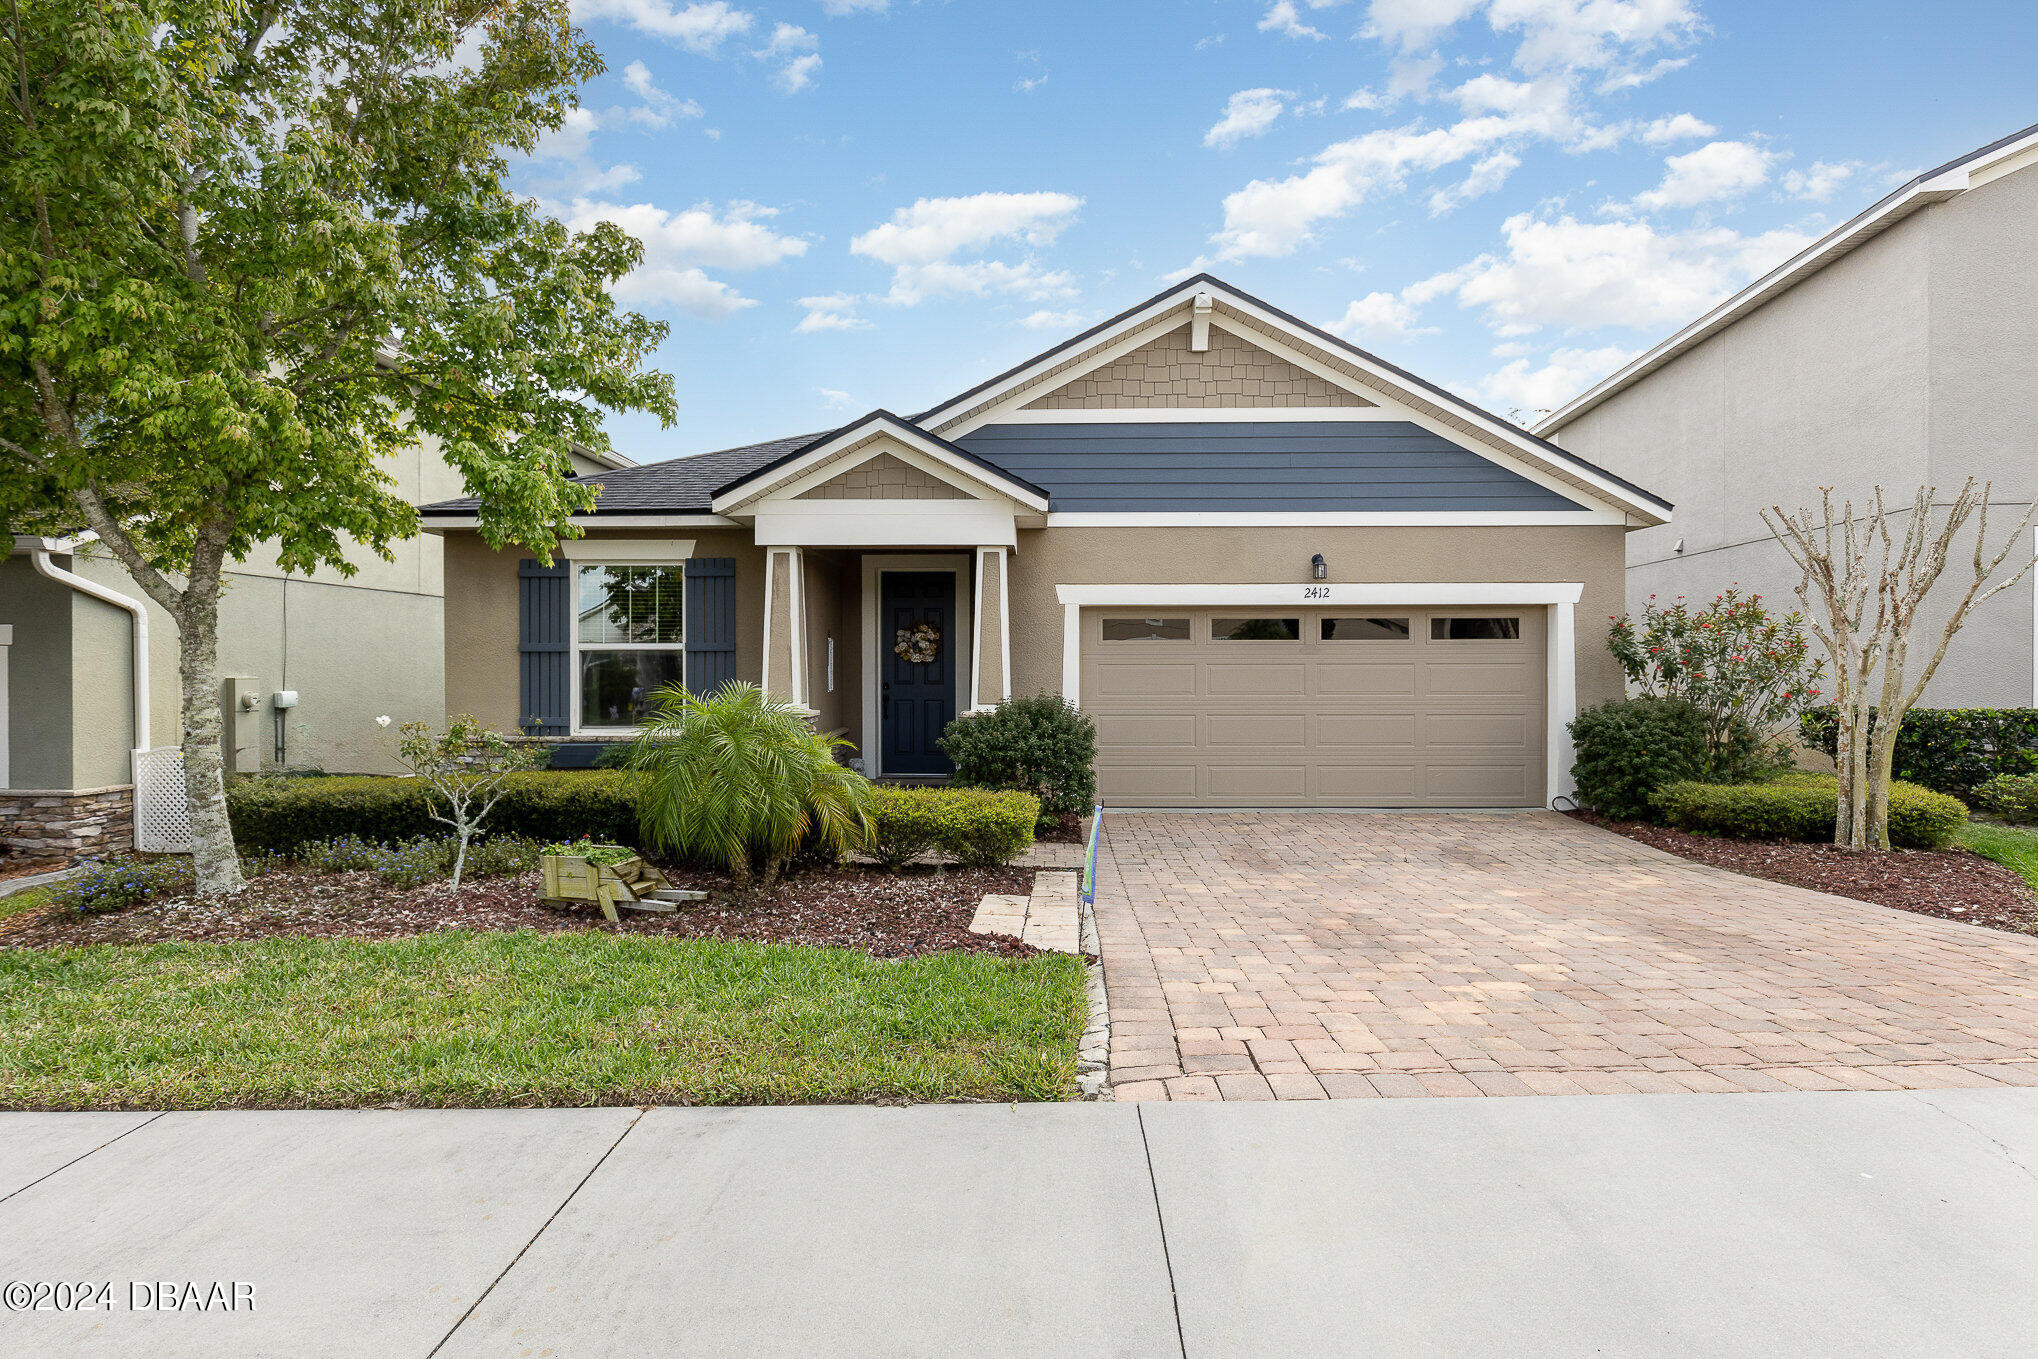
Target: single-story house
(1897, 350)
(1276, 570)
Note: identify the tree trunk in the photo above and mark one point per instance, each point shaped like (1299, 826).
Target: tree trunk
(212, 842)
(459, 859)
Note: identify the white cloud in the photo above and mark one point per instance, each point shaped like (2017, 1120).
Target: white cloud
(701, 28)
(1821, 181)
(1680, 127)
(1410, 77)
(1714, 172)
(1248, 113)
(570, 140)
(1285, 19)
(1362, 99)
(1487, 174)
(1584, 275)
(678, 246)
(1529, 393)
(798, 74)
(788, 38)
(836, 311)
(838, 8)
(659, 108)
(1379, 316)
(1414, 23)
(935, 229)
(1028, 84)
(1056, 320)
(836, 401)
(1574, 35)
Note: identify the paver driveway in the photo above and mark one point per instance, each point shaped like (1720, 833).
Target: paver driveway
(1299, 956)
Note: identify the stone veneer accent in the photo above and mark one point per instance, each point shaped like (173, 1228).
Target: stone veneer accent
(884, 477)
(59, 822)
(1166, 374)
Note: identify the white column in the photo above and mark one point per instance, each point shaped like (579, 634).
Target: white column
(1563, 700)
(6, 646)
(991, 640)
(785, 625)
(1072, 653)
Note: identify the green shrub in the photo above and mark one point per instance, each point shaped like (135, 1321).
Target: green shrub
(119, 882)
(976, 826)
(1042, 745)
(1804, 807)
(1630, 747)
(2013, 797)
(413, 863)
(1949, 750)
(739, 778)
(279, 815)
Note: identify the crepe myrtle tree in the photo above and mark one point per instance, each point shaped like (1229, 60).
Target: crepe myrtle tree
(249, 248)
(468, 766)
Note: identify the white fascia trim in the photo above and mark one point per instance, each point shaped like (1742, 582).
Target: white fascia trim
(916, 439)
(1334, 519)
(627, 551)
(1184, 415)
(1309, 594)
(1841, 240)
(885, 523)
(441, 523)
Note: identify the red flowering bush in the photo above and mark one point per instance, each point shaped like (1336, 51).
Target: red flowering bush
(1747, 671)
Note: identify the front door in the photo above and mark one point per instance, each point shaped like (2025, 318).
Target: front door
(916, 688)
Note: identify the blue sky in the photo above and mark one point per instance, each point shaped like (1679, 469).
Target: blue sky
(849, 204)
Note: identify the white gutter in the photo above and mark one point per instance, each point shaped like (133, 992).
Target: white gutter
(39, 552)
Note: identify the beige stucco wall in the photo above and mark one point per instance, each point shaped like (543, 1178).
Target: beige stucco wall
(481, 616)
(1046, 558)
(833, 592)
(1908, 361)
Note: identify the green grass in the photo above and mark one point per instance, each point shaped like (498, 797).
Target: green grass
(23, 901)
(2012, 846)
(461, 1019)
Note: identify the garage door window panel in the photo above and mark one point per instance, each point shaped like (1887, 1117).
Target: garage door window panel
(1366, 630)
(1475, 629)
(1146, 630)
(1255, 629)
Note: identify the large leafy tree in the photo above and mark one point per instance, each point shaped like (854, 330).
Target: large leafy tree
(250, 247)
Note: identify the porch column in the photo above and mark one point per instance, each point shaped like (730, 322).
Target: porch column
(785, 625)
(6, 642)
(991, 646)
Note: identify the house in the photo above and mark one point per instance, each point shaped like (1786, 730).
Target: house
(78, 717)
(1276, 570)
(1897, 350)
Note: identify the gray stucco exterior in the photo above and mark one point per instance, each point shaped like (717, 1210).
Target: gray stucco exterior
(1907, 362)
(1334, 465)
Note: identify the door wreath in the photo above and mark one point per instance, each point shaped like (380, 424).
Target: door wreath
(917, 645)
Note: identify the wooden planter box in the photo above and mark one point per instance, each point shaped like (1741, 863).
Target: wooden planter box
(632, 883)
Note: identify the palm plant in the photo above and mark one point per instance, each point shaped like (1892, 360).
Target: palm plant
(739, 779)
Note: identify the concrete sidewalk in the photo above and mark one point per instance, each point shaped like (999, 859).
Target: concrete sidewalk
(1798, 1224)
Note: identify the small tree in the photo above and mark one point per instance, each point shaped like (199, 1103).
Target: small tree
(469, 766)
(1833, 549)
(1744, 670)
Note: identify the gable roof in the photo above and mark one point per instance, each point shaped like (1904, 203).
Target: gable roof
(676, 486)
(1936, 185)
(820, 447)
(1457, 411)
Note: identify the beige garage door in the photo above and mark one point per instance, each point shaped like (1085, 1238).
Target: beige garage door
(1279, 707)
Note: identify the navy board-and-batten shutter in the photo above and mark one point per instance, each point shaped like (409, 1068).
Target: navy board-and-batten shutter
(710, 623)
(544, 646)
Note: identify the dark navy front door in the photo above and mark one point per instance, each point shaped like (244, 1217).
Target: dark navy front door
(916, 701)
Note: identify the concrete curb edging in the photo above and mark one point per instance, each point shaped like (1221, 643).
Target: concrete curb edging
(1093, 1053)
(14, 886)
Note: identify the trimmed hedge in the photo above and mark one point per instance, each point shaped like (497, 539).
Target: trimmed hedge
(1949, 750)
(1804, 807)
(2013, 797)
(1042, 745)
(280, 815)
(1630, 747)
(976, 826)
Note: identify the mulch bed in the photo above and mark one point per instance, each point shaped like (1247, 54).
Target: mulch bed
(887, 915)
(1066, 830)
(1953, 884)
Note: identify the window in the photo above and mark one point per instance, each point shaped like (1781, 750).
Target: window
(1255, 629)
(628, 640)
(1365, 629)
(1146, 629)
(1475, 629)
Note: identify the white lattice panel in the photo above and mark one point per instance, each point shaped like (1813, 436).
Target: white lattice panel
(162, 814)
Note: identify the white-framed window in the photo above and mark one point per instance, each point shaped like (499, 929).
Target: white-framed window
(628, 641)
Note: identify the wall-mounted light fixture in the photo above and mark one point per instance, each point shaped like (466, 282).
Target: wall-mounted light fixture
(1319, 569)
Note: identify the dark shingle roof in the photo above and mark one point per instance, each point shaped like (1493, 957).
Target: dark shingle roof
(676, 486)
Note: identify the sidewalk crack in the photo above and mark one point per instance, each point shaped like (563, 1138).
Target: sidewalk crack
(475, 1305)
(1160, 1220)
(82, 1155)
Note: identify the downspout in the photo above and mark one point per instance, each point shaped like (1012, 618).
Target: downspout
(39, 553)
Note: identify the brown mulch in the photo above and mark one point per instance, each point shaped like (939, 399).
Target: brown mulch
(1953, 884)
(1066, 830)
(919, 911)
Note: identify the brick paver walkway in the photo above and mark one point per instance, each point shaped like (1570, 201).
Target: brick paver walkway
(1305, 956)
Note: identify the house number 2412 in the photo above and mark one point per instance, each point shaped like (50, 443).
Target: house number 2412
(1316, 592)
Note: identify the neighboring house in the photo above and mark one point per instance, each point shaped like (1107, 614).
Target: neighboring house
(1276, 570)
(74, 709)
(1900, 350)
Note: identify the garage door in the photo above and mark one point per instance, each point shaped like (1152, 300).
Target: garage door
(1283, 707)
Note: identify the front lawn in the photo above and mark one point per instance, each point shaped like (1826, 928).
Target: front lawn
(457, 1017)
(2013, 847)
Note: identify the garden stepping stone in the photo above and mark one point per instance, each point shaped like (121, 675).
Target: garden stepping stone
(1049, 919)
